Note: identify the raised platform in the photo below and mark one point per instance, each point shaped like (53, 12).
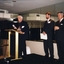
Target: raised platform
(32, 59)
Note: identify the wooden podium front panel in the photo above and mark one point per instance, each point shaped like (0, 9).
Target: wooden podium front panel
(12, 45)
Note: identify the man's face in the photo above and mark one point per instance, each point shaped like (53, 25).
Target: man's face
(60, 16)
(47, 16)
(20, 19)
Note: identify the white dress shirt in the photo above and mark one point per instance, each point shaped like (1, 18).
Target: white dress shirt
(61, 19)
(48, 20)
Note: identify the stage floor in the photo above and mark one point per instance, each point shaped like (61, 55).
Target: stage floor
(33, 59)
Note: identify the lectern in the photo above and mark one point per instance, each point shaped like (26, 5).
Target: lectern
(16, 42)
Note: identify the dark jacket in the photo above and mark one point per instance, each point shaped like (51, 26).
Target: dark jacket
(59, 34)
(24, 28)
(49, 29)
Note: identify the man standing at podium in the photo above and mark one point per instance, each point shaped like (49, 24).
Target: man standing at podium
(49, 30)
(23, 29)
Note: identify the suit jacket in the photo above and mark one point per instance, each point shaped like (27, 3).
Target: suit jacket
(49, 29)
(59, 34)
(24, 28)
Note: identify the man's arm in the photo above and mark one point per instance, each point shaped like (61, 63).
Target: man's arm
(56, 27)
(14, 26)
(18, 29)
(44, 28)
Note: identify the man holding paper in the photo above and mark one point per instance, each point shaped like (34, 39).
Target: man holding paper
(49, 30)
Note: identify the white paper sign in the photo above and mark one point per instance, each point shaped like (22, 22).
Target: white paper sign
(42, 36)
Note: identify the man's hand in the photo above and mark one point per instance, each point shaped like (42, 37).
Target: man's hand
(44, 32)
(21, 32)
(19, 29)
(56, 28)
(14, 27)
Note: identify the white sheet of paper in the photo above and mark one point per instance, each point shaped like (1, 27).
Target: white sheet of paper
(42, 36)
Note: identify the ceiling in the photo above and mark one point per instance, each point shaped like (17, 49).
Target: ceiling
(16, 6)
(53, 9)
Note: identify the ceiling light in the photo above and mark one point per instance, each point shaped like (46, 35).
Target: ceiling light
(13, 1)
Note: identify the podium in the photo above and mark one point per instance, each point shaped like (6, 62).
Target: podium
(16, 43)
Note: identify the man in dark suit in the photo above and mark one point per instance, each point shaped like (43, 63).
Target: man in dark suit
(59, 35)
(49, 30)
(23, 29)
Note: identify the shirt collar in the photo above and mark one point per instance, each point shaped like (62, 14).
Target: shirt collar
(61, 19)
(48, 19)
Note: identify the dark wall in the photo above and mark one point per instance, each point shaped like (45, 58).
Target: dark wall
(34, 33)
(5, 24)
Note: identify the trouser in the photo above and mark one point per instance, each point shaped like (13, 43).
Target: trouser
(48, 44)
(22, 46)
(60, 45)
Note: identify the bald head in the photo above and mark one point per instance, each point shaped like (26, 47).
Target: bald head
(20, 18)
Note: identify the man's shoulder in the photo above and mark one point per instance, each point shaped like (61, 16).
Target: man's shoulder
(52, 20)
(24, 22)
(45, 21)
(63, 20)
(57, 21)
